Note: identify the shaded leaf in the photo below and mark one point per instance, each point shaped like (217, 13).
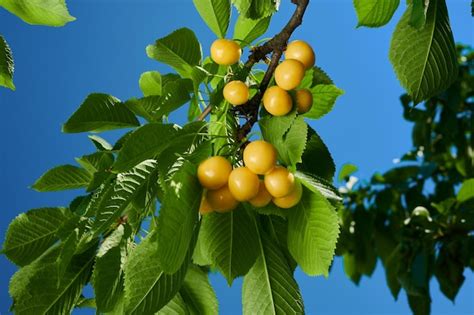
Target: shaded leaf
(317, 159)
(425, 60)
(100, 112)
(62, 178)
(466, 191)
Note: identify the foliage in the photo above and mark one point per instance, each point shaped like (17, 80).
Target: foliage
(422, 50)
(418, 217)
(136, 233)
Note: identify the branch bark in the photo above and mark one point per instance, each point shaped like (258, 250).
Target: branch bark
(276, 46)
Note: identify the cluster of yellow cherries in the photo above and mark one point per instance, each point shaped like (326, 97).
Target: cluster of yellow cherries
(299, 57)
(224, 186)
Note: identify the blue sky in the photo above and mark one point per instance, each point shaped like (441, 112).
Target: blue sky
(104, 51)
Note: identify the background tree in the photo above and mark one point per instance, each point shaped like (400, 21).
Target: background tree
(418, 217)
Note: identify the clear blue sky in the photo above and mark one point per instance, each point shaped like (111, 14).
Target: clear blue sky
(104, 51)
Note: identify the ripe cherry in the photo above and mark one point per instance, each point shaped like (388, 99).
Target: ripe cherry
(304, 100)
(243, 184)
(214, 172)
(221, 200)
(279, 182)
(260, 157)
(205, 207)
(289, 73)
(290, 200)
(263, 197)
(277, 101)
(225, 52)
(301, 51)
(236, 93)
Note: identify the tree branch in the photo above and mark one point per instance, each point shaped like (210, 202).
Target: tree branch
(276, 46)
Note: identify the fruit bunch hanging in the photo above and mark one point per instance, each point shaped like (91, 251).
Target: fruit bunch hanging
(260, 180)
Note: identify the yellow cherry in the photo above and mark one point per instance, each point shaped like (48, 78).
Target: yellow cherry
(290, 200)
(236, 93)
(289, 73)
(279, 182)
(263, 197)
(214, 172)
(243, 184)
(221, 200)
(260, 157)
(304, 100)
(301, 51)
(277, 101)
(205, 207)
(225, 52)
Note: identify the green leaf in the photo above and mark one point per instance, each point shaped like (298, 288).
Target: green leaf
(100, 143)
(269, 286)
(176, 306)
(425, 60)
(100, 112)
(346, 171)
(449, 271)
(7, 65)
(418, 13)
(313, 230)
(98, 161)
(230, 242)
(256, 9)
(317, 159)
(150, 83)
(178, 216)
(248, 30)
(62, 178)
(39, 12)
(180, 50)
(392, 266)
(324, 98)
(419, 305)
(147, 287)
(375, 13)
(198, 293)
(36, 288)
(111, 204)
(287, 134)
(467, 190)
(216, 14)
(107, 278)
(319, 185)
(31, 233)
(154, 108)
(144, 143)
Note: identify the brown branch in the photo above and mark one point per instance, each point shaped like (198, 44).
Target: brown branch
(276, 45)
